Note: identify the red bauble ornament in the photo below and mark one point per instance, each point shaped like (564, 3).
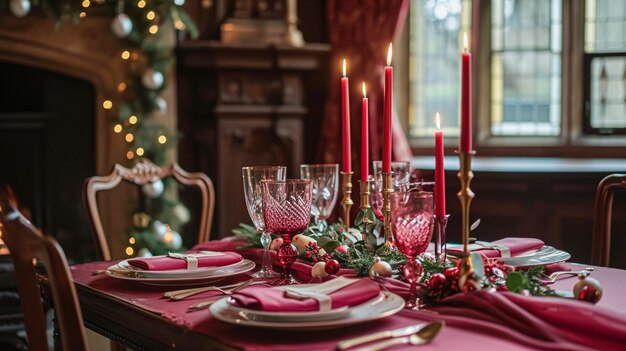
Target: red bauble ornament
(451, 273)
(332, 266)
(437, 281)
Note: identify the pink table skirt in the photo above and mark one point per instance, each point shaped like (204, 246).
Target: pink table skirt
(466, 328)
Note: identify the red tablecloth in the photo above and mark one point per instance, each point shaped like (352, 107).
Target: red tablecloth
(462, 332)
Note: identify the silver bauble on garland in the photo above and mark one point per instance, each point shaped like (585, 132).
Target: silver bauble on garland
(20, 8)
(159, 229)
(122, 25)
(179, 2)
(161, 104)
(153, 189)
(173, 240)
(152, 79)
(143, 252)
(182, 213)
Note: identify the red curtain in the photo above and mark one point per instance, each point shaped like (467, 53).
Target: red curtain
(360, 31)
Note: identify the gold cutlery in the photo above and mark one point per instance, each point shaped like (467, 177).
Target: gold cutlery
(553, 277)
(416, 335)
(226, 289)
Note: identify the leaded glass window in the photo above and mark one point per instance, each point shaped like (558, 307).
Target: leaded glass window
(526, 41)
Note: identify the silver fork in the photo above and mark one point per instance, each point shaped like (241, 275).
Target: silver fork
(553, 277)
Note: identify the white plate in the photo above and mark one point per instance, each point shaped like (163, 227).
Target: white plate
(218, 274)
(385, 305)
(544, 256)
(178, 273)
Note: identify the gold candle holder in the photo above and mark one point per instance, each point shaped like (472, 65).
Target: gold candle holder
(387, 190)
(365, 194)
(465, 195)
(346, 200)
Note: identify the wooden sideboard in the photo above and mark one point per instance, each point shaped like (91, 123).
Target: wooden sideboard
(247, 105)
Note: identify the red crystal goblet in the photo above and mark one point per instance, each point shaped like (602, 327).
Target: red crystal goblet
(412, 225)
(286, 212)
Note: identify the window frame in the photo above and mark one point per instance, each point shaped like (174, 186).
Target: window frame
(572, 141)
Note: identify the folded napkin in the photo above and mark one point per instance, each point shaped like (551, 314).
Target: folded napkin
(276, 299)
(507, 247)
(564, 323)
(166, 263)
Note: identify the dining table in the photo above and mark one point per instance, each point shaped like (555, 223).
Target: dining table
(137, 316)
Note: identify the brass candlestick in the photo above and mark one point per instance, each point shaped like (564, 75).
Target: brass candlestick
(365, 194)
(387, 190)
(465, 195)
(346, 200)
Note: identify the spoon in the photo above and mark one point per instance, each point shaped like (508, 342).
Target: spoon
(421, 337)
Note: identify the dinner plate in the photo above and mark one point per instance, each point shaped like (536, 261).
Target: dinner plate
(544, 256)
(218, 274)
(385, 305)
(178, 273)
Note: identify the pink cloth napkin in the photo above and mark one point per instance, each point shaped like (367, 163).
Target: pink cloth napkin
(558, 320)
(165, 263)
(274, 300)
(516, 246)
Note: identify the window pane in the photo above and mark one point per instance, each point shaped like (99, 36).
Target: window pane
(605, 43)
(608, 92)
(526, 67)
(435, 51)
(605, 26)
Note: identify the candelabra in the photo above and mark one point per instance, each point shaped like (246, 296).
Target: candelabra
(387, 190)
(346, 200)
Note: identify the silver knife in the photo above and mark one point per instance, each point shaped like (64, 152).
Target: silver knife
(395, 333)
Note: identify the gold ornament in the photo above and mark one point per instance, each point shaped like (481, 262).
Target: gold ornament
(141, 220)
(587, 289)
(380, 269)
(319, 270)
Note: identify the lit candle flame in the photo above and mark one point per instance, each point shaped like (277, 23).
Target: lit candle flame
(344, 67)
(465, 43)
(364, 94)
(438, 121)
(389, 55)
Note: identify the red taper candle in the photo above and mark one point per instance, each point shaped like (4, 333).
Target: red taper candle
(365, 144)
(345, 121)
(387, 113)
(465, 144)
(440, 175)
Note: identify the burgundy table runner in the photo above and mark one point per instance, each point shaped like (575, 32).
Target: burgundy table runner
(488, 321)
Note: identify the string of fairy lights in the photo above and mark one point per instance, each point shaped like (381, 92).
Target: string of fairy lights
(142, 27)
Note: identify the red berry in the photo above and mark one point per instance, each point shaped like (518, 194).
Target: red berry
(450, 273)
(307, 254)
(332, 266)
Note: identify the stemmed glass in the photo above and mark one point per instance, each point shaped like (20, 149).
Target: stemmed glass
(412, 225)
(286, 211)
(253, 191)
(325, 179)
(401, 173)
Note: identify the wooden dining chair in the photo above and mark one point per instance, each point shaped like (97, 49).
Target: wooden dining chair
(141, 173)
(30, 249)
(601, 239)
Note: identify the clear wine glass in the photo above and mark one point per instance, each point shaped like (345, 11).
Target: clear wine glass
(401, 175)
(286, 211)
(412, 225)
(325, 179)
(253, 191)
